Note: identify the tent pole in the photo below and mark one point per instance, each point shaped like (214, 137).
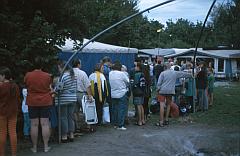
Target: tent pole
(195, 52)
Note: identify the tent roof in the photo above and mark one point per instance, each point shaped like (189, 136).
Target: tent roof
(161, 52)
(97, 47)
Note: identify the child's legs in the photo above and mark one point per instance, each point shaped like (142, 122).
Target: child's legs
(205, 99)
(139, 114)
(162, 100)
(3, 134)
(142, 114)
(201, 97)
(168, 102)
(26, 127)
(12, 133)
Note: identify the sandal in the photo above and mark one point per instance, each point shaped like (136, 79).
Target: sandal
(159, 124)
(166, 122)
(138, 124)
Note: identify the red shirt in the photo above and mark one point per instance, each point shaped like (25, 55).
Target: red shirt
(9, 102)
(38, 86)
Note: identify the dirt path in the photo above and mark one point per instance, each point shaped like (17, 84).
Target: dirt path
(174, 140)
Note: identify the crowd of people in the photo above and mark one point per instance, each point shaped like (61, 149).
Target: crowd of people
(111, 83)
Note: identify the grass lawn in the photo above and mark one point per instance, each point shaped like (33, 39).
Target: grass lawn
(225, 109)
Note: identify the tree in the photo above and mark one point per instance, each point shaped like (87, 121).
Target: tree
(226, 23)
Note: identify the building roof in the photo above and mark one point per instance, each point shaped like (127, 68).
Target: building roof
(210, 53)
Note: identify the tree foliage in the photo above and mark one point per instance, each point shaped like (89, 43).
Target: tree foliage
(32, 28)
(226, 24)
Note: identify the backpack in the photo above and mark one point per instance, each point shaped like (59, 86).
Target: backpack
(139, 84)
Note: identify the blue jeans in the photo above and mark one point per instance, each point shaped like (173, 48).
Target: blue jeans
(119, 108)
(203, 99)
(67, 118)
(26, 126)
(53, 116)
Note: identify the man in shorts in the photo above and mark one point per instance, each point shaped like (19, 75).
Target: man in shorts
(166, 89)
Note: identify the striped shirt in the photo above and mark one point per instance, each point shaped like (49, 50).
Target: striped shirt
(69, 93)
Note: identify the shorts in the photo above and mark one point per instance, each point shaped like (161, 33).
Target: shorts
(163, 97)
(138, 100)
(39, 112)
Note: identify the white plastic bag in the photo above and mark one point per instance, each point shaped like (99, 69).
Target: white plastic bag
(89, 110)
(106, 115)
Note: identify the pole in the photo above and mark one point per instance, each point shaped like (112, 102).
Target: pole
(59, 116)
(158, 42)
(195, 52)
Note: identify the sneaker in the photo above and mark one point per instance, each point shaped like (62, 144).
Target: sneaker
(34, 150)
(122, 128)
(47, 149)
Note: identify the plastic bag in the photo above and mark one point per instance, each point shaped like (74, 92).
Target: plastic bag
(89, 110)
(106, 115)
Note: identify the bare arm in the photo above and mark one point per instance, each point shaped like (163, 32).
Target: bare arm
(89, 91)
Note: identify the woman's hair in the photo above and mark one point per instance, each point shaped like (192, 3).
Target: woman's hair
(106, 59)
(6, 72)
(76, 62)
(98, 67)
(61, 64)
(139, 65)
(117, 66)
(146, 72)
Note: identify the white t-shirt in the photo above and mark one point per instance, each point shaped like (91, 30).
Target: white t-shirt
(24, 106)
(93, 77)
(151, 70)
(82, 80)
(118, 81)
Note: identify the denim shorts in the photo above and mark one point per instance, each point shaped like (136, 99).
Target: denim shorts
(138, 100)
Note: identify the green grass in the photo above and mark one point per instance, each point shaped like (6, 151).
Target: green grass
(224, 112)
(225, 109)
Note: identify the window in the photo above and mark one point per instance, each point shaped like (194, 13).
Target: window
(220, 65)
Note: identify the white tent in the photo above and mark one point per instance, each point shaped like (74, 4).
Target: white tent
(96, 47)
(95, 51)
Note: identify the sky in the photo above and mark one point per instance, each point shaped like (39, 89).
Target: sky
(193, 10)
